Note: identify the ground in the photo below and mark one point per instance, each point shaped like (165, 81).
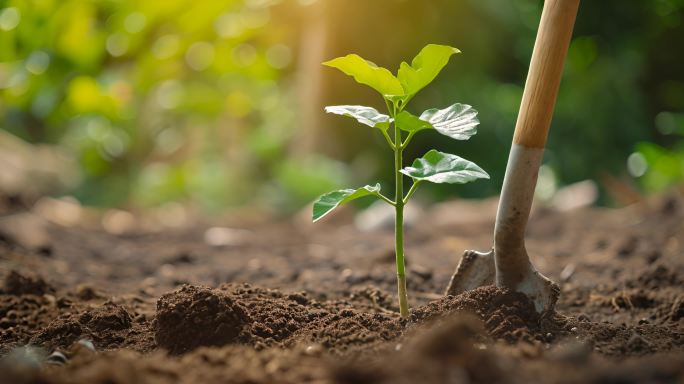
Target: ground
(285, 301)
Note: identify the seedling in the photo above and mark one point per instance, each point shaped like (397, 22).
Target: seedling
(458, 121)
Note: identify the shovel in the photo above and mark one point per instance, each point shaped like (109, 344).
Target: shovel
(508, 263)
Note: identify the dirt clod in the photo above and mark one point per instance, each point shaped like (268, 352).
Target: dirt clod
(109, 316)
(192, 316)
(25, 284)
(506, 315)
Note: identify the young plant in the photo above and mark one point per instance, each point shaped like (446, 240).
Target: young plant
(458, 121)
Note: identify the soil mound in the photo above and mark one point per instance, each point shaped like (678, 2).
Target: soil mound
(194, 316)
(198, 316)
(108, 325)
(109, 316)
(25, 284)
(506, 315)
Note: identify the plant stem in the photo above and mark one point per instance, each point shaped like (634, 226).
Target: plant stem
(408, 139)
(386, 199)
(399, 226)
(389, 141)
(411, 190)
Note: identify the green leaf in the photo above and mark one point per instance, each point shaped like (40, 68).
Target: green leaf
(438, 167)
(408, 122)
(331, 200)
(364, 115)
(458, 121)
(366, 72)
(424, 67)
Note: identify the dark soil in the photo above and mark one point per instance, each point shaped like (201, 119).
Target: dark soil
(288, 302)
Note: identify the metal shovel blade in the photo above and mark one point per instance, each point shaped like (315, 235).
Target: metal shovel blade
(478, 269)
(475, 269)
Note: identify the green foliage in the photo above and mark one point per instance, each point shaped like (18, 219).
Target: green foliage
(406, 121)
(364, 115)
(183, 100)
(663, 168)
(424, 68)
(621, 76)
(305, 177)
(367, 73)
(439, 167)
(172, 100)
(331, 200)
(659, 167)
(410, 78)
(457, 121)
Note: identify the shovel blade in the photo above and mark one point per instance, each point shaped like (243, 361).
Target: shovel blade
(541, 290)
(477, 269)
(474, 270)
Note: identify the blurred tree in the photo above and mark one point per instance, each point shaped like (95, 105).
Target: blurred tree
(158, 100)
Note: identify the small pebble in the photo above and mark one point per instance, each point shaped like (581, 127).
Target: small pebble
(397, 347)
(313, 350)
(573, 329)
(87, 343)
(56, 358)
(346, 273)
(52, 300)
(272, 367)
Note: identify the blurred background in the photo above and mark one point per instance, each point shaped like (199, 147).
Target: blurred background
(218, 105)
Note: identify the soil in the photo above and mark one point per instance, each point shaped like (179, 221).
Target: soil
(255, 301)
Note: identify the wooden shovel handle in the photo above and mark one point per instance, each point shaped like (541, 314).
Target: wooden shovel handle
(546, 67)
